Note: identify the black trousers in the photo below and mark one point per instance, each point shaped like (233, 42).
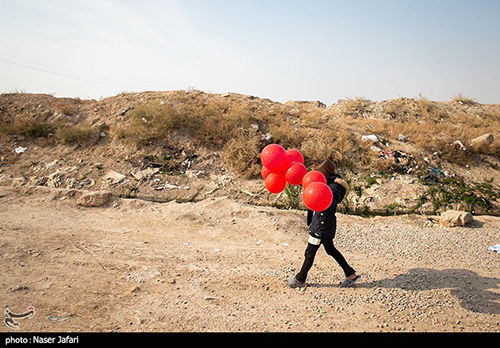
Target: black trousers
(330, 250)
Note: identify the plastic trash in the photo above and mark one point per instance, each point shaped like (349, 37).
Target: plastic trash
(495, 248)
(371, 137)
(266, 136)
(20, 149)
(170, 186)
(459, 143)
(437, 171)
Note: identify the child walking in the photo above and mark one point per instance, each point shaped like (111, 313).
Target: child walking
(322, 227)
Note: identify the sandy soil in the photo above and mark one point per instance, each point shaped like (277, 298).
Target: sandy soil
(217, 265)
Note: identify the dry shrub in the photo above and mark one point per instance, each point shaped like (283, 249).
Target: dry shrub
(459, 98)
(347, 151)
(338, 146)
(397, 108)
(313, 118)
(160, 118)
(220, 122)
(213, 124)
(27, 126)
(67, 106)
(242, 153)
(354, 107)
(155, 121)
(282, 128)
(381, 127)
(287, 135)
(80, 134)
(429, 110)
(34, 128)
(403, 109)
(315, 149)
(442, 136)
(429, 135)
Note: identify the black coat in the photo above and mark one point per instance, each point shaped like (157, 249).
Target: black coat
(322, 225)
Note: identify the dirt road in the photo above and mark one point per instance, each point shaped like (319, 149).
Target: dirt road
(217, 265)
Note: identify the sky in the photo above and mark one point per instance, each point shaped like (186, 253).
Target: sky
(283, 50)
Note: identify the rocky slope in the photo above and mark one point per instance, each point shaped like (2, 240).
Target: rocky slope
(114, 150)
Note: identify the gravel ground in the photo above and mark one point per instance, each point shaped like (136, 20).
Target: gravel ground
(218, 265)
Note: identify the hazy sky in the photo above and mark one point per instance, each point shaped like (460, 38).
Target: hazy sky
(282, 50)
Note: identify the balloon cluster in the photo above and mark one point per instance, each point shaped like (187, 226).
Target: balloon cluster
(280, 167)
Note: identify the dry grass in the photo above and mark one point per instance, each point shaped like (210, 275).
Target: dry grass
(287, 134)
(242, 153)
(463, 100)
(211, 125)
(80, 134)
(407, 109)
(239, 126)
(152, 122)
(355, 106)
(335, 143)
(54, 131)
(67, 106)
(221, 122)
(431, 126)
(397, 108)
(27, 126)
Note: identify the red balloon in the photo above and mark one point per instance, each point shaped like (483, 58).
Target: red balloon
(317, 196)
(274, 157)
(275, 182)
(295, 156)
(264, 172)
(295, 173)
(313, 176)
(287, 163)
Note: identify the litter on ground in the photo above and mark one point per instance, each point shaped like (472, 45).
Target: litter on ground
(495, 248)
(20, 149)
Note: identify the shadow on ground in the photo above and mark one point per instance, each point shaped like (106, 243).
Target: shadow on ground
(475, 293)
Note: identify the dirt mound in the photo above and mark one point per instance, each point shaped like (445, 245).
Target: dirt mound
(399, 156)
